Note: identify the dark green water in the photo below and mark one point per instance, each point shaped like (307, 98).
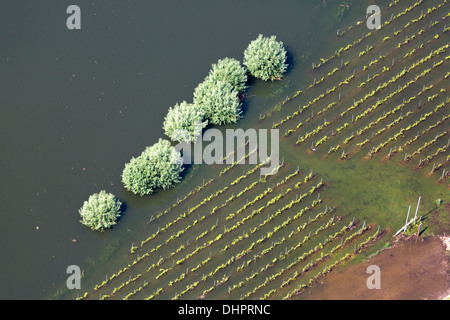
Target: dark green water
(78, 104)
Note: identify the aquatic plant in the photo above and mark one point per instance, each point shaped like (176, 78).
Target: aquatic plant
(100, 211)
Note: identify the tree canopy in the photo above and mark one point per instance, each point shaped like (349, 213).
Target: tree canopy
(100, 211)
(265, 58)
(231, 71)
(184, 122)
(158, 166)
(218, 100)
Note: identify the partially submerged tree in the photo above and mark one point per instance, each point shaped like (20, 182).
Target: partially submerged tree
(265, 58)
(184, 122)
(218, 100)
(231, 71)
(159, 166)
(100, 211)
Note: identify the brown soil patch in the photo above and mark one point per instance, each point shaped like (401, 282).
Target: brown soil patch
(412, 269)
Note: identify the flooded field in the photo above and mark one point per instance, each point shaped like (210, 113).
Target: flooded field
(363, 119)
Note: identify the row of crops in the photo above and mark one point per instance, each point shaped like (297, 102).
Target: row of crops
(391, 97)
(259, 237)
(381, 95)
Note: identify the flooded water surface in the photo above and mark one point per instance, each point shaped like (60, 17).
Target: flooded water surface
(78, 104)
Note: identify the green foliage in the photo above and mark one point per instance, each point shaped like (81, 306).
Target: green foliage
(100, 211)
(184, 122)
(218, 100)
(231, 71)
(159, 166)
(265, 58)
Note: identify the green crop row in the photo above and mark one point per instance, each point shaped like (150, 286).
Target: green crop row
(277, 213)
(390, 112)
(343, 49)
(204, 201)
(271, 278)
(360, 22)
(304, 256)
(411, 140)
(313, 132)
(431, 156)
(174, 236)
(326, 269)
(425, 145)
(240, 254)
(401, 133)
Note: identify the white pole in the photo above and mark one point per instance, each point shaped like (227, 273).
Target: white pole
(407, 216)
(417, 209)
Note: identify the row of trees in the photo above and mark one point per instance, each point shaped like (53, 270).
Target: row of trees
(216, 100)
